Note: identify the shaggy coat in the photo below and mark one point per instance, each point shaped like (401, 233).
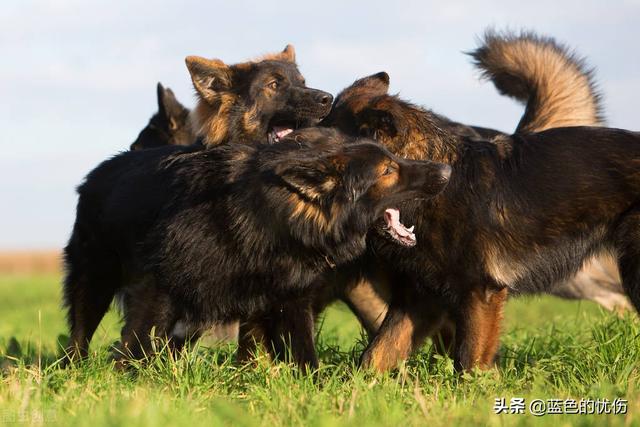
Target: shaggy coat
(226, 233)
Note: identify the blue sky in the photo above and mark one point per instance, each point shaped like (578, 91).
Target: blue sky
(77, 78)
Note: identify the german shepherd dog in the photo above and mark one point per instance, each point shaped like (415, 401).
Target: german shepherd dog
(252, 101)
(262, 99)
(249, 101)
(557, 88)
(522, 212)
(226, 233)
(171, 125)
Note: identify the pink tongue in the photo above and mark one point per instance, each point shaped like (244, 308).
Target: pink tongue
(392, 218)
(281, 131)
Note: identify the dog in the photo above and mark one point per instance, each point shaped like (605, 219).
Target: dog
(228, 232)
(443, 277)
(171, 125)
(557, 88)
(254, 100)
(260, 99)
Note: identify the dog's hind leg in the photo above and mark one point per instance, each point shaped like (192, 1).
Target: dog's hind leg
(286, 332)
(403, 330)
(478, 325)
(627, 243)
(89, 287)
(150, 311)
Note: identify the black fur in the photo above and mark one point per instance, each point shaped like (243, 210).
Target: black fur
(226, 233)
(169, 126)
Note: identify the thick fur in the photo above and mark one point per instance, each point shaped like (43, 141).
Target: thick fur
(555, 84)
(558, 88)
(245, 102)
(171, 125)
(522, 212)
(226, 233)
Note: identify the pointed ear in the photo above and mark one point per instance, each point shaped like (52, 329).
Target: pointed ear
(288, 54)
(210, 77)
(373, 123)
(169, 108)
(312, 178)
(376, 83)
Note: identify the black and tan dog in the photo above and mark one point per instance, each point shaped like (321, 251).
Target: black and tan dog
(260, 100)
(523, 212)
(171, 125)
(190, 225)
(558, 90)
(251, 101)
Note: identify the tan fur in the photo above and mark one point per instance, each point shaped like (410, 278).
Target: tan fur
(526, 64)
(368, 304)
(559, 91)
(288, 55)
(388, 354)
(308, 211)
(210, 121)
(210, 117)
(485, 311)
(502, 268)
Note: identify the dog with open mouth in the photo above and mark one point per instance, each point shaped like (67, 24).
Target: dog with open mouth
(162, 217)
(258, 100)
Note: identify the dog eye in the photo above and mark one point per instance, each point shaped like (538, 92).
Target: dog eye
(273, 85)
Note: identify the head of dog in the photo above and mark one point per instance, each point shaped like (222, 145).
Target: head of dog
(339, 187)
(169, 126)
(366, 109)
(256, 101)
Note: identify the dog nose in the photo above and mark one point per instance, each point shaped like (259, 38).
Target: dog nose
(325, 99)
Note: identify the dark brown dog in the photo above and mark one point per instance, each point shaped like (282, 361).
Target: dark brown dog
(557, 88)
(471, 224)
(189, 224)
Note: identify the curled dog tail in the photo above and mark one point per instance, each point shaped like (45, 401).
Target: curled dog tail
(556, 86)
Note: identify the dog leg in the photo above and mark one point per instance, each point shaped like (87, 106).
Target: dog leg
(627, 241)
(478, 327)
(403, 330)
(444, 338)
(149, 310)
(292, 335)
(89, 289)
(287, 333)
(251, 336)
(368, 299)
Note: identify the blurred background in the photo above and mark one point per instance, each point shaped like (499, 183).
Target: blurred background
(78, 78)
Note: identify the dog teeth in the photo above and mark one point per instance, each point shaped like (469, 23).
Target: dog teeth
(410, 229)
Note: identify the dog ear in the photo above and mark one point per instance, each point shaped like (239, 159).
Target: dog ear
(313, 178)
(210, 77)
(373, 123)
(375, 84)
(169, 108)
(288, 54)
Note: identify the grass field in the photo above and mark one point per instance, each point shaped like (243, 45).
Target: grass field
(551, 349)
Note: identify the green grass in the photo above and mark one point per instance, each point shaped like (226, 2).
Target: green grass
(550, 349)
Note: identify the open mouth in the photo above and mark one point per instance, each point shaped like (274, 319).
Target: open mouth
(276, 133)
(397, 230)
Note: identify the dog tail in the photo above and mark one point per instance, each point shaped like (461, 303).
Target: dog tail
(556, 86)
